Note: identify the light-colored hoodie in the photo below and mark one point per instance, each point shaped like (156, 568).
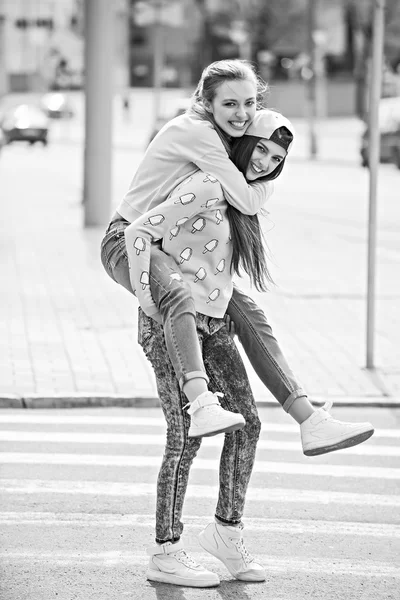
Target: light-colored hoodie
(184, 145)
(194, 228)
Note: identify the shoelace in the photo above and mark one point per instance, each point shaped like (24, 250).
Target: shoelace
(328, 405)
(243, 551)
(186, 559)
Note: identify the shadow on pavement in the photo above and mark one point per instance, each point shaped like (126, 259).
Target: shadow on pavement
(227, 590)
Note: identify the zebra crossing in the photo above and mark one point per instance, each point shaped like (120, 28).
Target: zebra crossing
(77, 492)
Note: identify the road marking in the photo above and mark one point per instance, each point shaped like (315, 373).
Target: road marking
(121, 489)
(133, 439)
(290, 526)
(85, 419)
(353, 568)
(103, 460)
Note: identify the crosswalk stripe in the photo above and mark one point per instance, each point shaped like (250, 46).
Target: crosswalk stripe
(120, 489)
(103, 460)
(290, 526)
(353, 568)
(84, 419)
(134, 439)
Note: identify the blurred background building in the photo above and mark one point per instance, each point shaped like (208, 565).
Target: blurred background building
(41, 45)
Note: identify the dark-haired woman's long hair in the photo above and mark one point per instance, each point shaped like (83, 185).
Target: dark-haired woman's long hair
(248, 242)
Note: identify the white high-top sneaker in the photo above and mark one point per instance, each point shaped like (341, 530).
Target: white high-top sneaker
(321, 433)
(226, 544)
(209, 418)
(169, 563)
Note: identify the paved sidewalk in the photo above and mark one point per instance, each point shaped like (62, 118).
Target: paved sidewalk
(68, 333)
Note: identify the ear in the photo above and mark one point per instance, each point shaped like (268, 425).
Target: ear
(207, 106)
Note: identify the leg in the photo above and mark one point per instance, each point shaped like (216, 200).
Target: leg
(168, 562)
(320, 433)
(263, 351)
(174, 299)
(180, 449)
(224, 538)
(227, 373)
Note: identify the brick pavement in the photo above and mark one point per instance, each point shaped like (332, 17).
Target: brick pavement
(68, 333)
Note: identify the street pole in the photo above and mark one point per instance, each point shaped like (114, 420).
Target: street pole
(311, 81)
(3, 66)
(99, 91)
(158, 58)
(374, 159)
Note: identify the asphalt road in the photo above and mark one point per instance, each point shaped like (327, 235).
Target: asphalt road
(77, 509)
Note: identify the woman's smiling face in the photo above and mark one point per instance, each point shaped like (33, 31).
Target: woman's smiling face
(234, 106)
(267, 155)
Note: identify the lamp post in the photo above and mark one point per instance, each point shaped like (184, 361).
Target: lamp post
(3, 69)
(374, 159)
(311, 78)
(158, 57)
(99, 91)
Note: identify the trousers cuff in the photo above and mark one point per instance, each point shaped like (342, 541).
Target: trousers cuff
(192, 375)
(287, 405)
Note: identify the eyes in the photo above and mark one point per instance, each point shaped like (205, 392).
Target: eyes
(247, 103)
(263, 150)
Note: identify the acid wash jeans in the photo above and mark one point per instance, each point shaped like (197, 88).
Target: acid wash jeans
(227, 374)
(173, 297)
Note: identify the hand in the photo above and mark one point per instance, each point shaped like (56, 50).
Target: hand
(230, 326)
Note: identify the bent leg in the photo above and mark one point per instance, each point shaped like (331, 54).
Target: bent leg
(174, 299)
(263, 350)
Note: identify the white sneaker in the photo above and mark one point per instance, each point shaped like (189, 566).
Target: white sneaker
(169, 563)
(209, 418)
(321, 433)
(226, 544)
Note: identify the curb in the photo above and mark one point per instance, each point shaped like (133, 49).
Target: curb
(33, 401)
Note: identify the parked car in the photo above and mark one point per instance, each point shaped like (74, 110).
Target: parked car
(57, 106)
(181, 107)
(25, 122)
(389, 127)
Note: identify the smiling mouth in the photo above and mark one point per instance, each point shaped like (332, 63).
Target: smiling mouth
(256, 169)
(238, 124)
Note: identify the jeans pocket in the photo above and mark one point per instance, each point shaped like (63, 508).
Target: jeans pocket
(113, 247)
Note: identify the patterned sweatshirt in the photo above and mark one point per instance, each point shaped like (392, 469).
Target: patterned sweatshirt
(194, 229)
(184, 145)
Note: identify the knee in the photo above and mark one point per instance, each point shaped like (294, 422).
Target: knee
(180, 447)
(253, 426)
(177, 296)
